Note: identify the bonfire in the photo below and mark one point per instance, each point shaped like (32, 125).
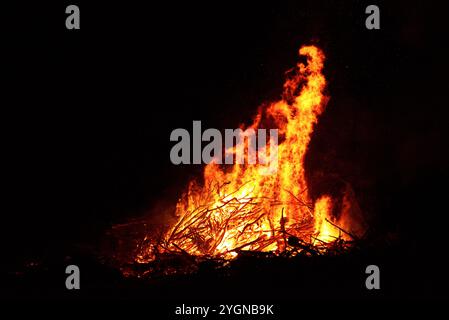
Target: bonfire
(252, 208)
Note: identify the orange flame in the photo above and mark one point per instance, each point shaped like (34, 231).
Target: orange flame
(247, 208)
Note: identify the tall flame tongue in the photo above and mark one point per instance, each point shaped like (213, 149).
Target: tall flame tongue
(247, 207)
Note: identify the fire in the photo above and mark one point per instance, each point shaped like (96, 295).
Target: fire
(255, 208)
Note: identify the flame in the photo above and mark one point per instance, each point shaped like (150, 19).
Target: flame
(252, 207)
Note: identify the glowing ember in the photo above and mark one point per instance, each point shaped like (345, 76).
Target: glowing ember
(254, 208)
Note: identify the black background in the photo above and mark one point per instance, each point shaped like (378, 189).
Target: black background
(87, 114)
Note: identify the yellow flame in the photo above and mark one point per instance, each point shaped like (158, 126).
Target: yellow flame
(243, 207)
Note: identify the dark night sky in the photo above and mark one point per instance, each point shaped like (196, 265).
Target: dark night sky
(87, 114)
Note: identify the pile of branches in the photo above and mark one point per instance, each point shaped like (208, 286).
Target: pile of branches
(199, 234)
